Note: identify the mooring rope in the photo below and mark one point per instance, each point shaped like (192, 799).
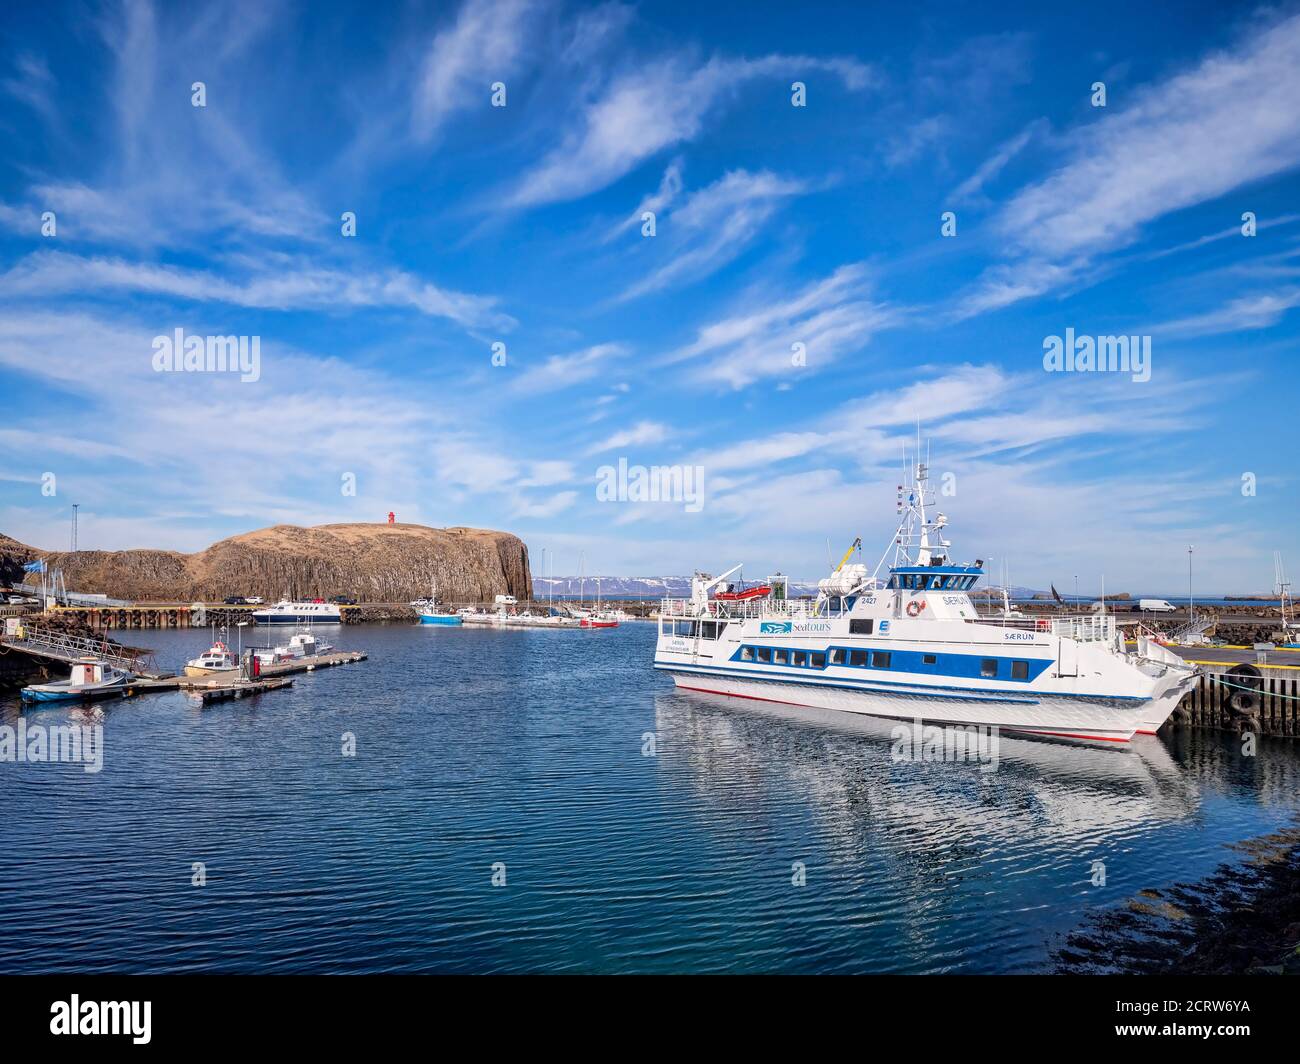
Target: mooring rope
(1242, 687)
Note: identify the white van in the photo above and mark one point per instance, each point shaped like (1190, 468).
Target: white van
(1155, 606)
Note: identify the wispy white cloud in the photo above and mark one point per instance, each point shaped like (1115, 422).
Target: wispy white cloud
(643, 432)
(971, 190)
(1256, 311)
(1229, 121)
(45, 274)
(564, 371)
(714, 225)
(485, 44)
(654, 107)
(670, 186)
(830, 318)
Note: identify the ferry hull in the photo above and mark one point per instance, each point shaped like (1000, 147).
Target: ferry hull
(297, 618)
(1044, 716)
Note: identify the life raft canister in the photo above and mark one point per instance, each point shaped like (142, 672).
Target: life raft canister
(915, 607)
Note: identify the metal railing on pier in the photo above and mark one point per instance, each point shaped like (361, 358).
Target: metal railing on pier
(58, 646)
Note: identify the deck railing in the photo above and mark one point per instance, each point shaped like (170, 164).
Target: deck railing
(1083, 627)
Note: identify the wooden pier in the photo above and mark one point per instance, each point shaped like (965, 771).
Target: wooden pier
(1226, 700)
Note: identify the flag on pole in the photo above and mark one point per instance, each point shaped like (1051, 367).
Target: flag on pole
(34, 567)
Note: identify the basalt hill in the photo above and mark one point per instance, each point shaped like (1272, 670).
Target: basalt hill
(371, 562)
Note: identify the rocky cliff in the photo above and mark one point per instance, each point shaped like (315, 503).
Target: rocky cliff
(372, 563)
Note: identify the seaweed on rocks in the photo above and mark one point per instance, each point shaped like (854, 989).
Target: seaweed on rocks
(1244, 918)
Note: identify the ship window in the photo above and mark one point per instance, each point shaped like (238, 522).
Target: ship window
(746, 653)
(929, 659)
(989, 667)
(893, 582)
(780, 657)
(858, 626)
(858, 657)
(837, 656)
(796, 657)
(709, 629)
(880, 659)
(817, 661)
(1020, 670)
(764, 653)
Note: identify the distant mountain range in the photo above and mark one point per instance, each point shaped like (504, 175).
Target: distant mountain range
(630, 586)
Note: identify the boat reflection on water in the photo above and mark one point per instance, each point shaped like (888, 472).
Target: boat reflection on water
(1007, 789)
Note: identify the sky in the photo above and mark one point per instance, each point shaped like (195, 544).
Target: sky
(485, 252)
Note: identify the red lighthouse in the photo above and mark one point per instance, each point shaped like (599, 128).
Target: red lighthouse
(392, 517)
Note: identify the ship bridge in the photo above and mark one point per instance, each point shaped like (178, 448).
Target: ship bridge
(934, 577)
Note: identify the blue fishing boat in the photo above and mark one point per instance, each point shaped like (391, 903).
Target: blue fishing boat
(431, 614)
(90, 678)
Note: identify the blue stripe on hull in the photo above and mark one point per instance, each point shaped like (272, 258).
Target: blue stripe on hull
(796, 678)
(298, 618)
(426, 618)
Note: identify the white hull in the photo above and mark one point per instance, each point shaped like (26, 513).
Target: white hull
(1046, 716)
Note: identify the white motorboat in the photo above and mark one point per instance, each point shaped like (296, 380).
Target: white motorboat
(217, 658)
(916, 648)
(302, 644)
(90, 678)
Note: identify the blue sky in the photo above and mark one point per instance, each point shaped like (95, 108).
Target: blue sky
(775, 225)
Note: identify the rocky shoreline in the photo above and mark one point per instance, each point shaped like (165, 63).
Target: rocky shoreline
(1244, 919)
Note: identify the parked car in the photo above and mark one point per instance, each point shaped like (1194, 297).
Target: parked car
(236, 600)
(255, 600)
(1156, 606)
(343, 600)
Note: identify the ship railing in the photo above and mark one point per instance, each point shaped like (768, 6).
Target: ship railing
(1082, 627)
(754, 608)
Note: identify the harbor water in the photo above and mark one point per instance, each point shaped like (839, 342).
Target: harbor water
(543, 801)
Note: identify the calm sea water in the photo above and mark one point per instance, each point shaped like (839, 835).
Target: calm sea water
(528, 749)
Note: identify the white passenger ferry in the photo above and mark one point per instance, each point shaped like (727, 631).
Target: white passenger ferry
(288, 612)
(914, 647)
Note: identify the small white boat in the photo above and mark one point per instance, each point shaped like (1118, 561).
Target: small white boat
(90, 678)
(217, 658)
(301, 645)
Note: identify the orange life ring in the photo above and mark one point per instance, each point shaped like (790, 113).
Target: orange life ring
(915, 607)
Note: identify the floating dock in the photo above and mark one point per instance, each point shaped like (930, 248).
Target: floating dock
(243, 689)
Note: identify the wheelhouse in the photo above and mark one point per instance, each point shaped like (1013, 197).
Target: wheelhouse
(934, 577)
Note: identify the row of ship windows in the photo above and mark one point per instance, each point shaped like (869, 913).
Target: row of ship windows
(931, 582)
(875, 659)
